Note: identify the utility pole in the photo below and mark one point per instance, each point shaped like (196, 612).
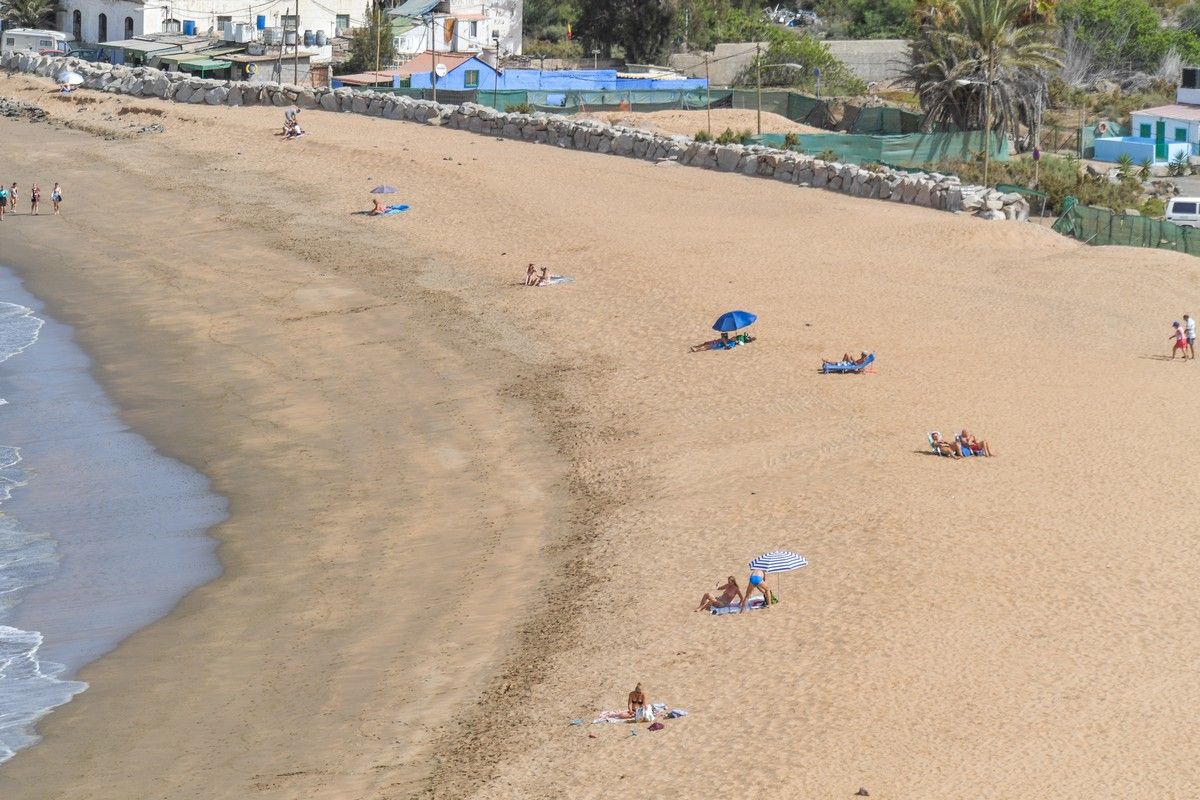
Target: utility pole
(987, 123)
(708, 91)
(296, 53)
(758, 73)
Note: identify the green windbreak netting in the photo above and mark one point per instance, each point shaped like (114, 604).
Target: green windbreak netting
(882, 120)
(1102, 227)
(913, 149)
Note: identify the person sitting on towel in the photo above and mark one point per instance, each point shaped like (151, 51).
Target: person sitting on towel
(639, 705)
(758, 583)
(531, 278)
(729, 592)
(379, 208)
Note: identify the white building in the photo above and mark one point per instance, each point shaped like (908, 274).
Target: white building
(458, 26)
(1163, 133)
(97, 21)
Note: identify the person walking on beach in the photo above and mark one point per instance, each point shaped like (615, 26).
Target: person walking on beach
(12, 198)
(1189, 328)
(35, 199)
(3, 200)
(1180, 341)
(56, 196)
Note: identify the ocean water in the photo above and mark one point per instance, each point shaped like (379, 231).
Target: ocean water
(99, 534)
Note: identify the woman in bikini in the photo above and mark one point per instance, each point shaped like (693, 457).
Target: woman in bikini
(952, 449)
(35, 199)
(729, 592)
(639, 705)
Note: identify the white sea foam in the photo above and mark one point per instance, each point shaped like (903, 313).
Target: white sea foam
(29, 687)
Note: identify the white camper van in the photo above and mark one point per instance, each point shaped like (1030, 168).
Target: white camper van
(30, 40)
(1184, 211)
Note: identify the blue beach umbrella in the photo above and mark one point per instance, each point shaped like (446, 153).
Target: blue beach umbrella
(384, 190)
(730, 321)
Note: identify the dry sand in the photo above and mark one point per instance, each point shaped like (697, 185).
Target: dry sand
(686, 123)
(375, 394)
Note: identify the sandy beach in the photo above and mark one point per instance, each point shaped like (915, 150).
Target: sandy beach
(464, 513)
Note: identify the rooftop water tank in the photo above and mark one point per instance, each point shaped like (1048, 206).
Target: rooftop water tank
(322, 40)
(309, 39)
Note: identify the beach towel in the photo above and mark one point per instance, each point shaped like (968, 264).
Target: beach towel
(397, 209)
(557, 280)
(612, 716)
(736, 608)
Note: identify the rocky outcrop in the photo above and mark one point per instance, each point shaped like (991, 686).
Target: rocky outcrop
(925, 189)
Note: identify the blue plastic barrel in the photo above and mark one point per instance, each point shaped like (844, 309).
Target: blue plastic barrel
(189, 27)
(309, 39)
(322, 40)
(261, 22)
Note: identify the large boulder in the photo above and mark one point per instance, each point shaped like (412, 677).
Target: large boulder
(216, 96)
(329, 101)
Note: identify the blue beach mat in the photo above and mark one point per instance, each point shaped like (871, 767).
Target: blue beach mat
(399, 209)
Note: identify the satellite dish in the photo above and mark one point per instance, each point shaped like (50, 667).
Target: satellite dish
(440, 70)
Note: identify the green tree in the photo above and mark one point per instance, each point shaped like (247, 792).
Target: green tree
(989, 57)
(365, 40)
(641, 28)
(1123, 34)
(787, 46)
(27, 13)
(546, 20)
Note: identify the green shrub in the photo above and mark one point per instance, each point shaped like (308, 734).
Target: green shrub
(791, 141)
(521, 108)
(1059, 177)
(1180, 165)
(702, 135)
(745, 136)
(1153, 207)
(827, 155)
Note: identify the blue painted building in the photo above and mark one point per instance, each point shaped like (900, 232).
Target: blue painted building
(474, 73)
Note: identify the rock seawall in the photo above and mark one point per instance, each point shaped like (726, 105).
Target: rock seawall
(926, 189)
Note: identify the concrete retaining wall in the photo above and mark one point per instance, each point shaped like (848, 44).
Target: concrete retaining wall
(930, 190)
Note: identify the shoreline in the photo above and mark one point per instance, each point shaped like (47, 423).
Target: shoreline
(101, 495)
(103, 335)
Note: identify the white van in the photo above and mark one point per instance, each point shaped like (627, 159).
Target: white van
(1184, 211)
(31, 40)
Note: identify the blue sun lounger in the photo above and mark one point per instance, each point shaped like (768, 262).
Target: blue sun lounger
(844, 367)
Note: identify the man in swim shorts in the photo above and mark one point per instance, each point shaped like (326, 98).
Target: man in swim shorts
(1189, 327)
(758, 583)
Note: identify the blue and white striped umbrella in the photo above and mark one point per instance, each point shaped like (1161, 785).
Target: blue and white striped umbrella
(779, 561)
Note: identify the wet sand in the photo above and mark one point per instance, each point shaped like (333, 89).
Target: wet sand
(374, 394)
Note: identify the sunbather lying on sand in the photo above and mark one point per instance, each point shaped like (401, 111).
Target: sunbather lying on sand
(847, 359)
(977, 447)
(729, 592)
(724, 341)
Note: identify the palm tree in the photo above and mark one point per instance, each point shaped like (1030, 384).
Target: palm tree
(27, 13)
(986, 69)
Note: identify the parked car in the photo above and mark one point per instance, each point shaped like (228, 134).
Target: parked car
(1184, 211)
